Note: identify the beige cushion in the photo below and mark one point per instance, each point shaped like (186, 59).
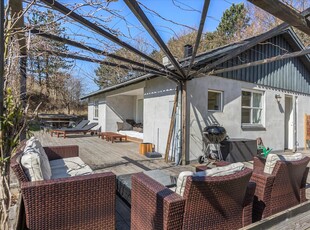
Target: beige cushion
(222, 171)
(32, 166)
(127, 126)
(120, 126)
(181, 182)
(273, 158)
(68, 167)
(218, 171)
(35, 161)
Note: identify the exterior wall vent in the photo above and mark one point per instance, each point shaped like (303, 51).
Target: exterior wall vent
(166, 60)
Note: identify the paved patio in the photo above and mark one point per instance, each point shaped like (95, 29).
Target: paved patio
(123, 158)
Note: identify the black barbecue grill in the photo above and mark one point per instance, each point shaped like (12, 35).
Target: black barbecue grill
(212, 136)
(214, 133)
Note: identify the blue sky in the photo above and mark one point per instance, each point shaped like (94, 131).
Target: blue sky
(169, 9)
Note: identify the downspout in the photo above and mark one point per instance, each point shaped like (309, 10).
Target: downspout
(295, 100)
(178, 128)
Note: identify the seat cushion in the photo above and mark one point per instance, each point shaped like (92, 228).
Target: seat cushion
(68, 167)
(35, 161)
(222, 171)
(218, 171)
(273, 158)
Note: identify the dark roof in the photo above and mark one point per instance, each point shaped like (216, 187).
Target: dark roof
(211, 55)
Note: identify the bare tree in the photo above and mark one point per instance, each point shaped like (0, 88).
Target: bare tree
(13, 121)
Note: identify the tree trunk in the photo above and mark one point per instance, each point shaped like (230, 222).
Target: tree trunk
(5, 198)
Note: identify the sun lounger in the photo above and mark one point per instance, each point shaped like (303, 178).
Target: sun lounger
(80, 125)
(85, 129)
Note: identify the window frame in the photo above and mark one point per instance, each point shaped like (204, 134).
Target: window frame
(96, 110)
(221, 100)
(252, 108)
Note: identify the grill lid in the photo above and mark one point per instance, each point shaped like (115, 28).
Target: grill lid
(214, 133)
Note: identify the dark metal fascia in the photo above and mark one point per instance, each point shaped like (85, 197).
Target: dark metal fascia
(78, 18)
(140, 15)
(201, 25)
(248, 45)
(285, 13)
(92, 49)
(94, 60)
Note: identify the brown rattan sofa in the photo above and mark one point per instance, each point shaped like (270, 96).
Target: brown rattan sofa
(79, 202)
(223, 202)
(280, 190)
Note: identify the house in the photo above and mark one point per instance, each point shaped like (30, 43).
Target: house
(267, 101)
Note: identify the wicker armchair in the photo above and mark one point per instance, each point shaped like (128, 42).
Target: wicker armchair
(80, 202)
(282, 189)
(208, 203)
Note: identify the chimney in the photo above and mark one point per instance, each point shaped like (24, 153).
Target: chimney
(188, 50)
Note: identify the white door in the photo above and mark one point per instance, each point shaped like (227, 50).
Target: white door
(289, 123)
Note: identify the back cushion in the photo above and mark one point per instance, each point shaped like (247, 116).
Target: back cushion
(120, 126)
(32, 166)
(217, 171)
(222, 171)
(273, 158)
(35, 161)
(181, 182)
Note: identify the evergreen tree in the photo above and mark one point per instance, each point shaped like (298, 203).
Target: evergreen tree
(42, 65)
(233, 22)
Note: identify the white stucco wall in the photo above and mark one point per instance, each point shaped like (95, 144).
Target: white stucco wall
(101, 111)
(157, 94)
(274, 133)
(119, 108)
(159, 91)
(114, 106)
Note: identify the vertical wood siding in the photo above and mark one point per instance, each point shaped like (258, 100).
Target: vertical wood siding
(288, 74)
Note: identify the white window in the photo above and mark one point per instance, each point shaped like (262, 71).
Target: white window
(252, 108)
(215, 99)
(96, 111)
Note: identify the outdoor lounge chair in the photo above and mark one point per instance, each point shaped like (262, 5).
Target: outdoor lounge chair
(80, 125)
(75, 202)
(222, 202)
(87, 128)
(283, 188)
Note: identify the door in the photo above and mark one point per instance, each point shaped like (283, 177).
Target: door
(289, 123)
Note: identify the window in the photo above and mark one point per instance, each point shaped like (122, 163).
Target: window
(96, 112)
(252, 108)
(215, 100)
